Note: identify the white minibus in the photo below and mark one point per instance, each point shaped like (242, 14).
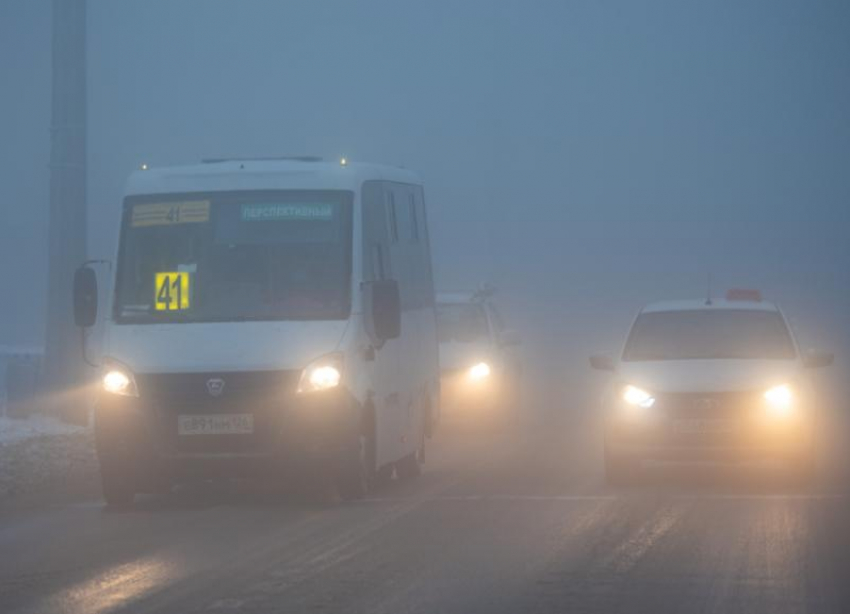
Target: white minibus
(266, 315)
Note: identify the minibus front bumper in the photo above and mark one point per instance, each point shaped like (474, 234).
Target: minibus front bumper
(288, 432)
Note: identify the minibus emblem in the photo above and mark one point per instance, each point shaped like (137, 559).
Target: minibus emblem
(215, 386)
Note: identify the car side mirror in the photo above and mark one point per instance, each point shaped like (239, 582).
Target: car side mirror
(510, 338)
(382, 306)
(813, 359)
(602, 362)
(85, 297)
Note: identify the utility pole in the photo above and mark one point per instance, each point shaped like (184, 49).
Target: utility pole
(64, 372)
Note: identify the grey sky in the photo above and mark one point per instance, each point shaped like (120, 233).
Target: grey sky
(589, 156)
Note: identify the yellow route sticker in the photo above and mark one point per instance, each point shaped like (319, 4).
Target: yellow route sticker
(165, 214)
(172, 291)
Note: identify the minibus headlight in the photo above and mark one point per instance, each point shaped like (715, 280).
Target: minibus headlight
(779, 401)
(120, 381)
(324, 373)
(479, 371)
(637, 397)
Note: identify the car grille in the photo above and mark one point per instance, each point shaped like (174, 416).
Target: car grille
(733, 405)
(709, 419)
(262, 394)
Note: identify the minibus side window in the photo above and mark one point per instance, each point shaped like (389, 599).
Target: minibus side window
(405, 254)
(402, 198)
(376, 253)
(414, 218)
(411, 256)
(393, 216)
(378, 268)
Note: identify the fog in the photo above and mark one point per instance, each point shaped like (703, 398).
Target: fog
(585, 157)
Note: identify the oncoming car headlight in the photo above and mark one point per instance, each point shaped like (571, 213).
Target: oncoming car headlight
(324, 373)
(479, 371)
(119, 380)
(779, 401)
(638, 397)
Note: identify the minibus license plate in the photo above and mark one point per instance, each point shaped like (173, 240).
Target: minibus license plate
(704, 425)
(216, 424)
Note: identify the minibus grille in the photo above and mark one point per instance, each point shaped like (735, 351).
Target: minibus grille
(261, 394)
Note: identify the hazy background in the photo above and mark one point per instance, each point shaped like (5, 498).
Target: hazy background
(585, 156)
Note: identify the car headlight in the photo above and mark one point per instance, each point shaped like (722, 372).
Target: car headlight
(324, 373)
(120, 381)
(480, 371)
(779, 401)
(635, 396)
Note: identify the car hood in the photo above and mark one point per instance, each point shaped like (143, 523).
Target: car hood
(455, 355)
(708, 375)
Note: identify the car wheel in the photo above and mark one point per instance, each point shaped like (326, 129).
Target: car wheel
(161, 484)
(382, 477)
(409, 467)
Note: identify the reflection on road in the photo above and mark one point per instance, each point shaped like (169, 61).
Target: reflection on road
(117, 587)
(498, 523)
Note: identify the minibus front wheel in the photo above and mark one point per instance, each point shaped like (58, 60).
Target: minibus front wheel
(118, 489)
(119, 474)
(357, 467)
(353, 478)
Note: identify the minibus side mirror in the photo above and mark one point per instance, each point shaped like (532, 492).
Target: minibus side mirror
(85, 297)
(383, 309)
(815, 360)
(602, 362)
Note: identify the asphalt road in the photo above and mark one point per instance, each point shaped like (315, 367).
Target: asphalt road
(496, 524)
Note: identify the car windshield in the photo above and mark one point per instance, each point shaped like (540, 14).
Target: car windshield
(709, 334)
(235, 256)
(462, 323)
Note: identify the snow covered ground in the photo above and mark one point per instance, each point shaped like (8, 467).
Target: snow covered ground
(41, 453)
(12, 430)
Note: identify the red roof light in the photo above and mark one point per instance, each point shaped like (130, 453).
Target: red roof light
(743, 294)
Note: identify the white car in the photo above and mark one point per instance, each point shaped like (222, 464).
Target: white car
(721, 379)
(480, 366)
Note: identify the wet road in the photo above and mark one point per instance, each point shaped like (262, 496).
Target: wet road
(494, 525)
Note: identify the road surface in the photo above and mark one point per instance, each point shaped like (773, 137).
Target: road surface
(494, 525)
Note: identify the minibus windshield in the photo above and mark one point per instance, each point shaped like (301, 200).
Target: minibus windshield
(704, 334)
(232, 256)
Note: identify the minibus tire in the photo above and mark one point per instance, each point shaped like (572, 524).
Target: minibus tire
(378, 476)
(353, 480)
(118, 489)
